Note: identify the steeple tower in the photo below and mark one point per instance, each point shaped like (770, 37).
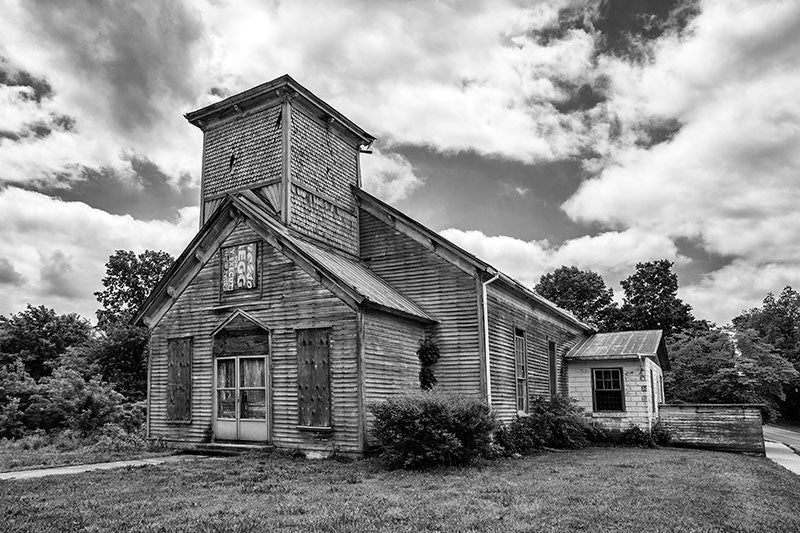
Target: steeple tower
(291, 148)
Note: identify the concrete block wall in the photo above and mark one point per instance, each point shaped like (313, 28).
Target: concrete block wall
(635, 380)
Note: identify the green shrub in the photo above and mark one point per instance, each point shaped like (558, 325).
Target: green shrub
(660, 434)
(636, 436)
(556, 423)
(427, 429)
(114, 438)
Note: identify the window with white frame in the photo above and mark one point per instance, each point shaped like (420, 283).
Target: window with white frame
(607, 389)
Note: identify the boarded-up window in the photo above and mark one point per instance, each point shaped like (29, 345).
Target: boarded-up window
(239, 267)
(314, 377)
(551, 358)
(608, 389)
(521, 366)
(179, 379)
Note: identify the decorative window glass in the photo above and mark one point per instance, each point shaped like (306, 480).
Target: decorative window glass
(239, 270)
(521, 366)
(608, 390)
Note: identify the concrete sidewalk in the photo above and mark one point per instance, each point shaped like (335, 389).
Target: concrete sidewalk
(79, 469)
(783, 455)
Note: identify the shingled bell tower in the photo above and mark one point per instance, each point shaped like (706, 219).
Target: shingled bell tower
(292, 149)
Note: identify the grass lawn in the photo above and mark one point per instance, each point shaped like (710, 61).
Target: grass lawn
(17, 456)
(597, 489)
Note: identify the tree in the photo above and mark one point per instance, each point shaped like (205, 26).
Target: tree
(119, 356)
(120, 353)
(38, 336)
(651, 299)
(777, 322)
(128, 281)
(582, 292)
(717, 366)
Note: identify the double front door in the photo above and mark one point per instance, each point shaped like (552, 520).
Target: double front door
(242, 404)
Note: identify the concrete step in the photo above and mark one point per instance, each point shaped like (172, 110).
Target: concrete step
(228, 448)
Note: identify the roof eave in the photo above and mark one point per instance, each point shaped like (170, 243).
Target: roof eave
(260, 91)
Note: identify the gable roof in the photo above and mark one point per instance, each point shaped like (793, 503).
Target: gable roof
(646, 343)
(350, 280)
(466, 261)
(272, 90)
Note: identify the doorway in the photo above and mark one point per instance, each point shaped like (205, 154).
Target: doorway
(242, 408)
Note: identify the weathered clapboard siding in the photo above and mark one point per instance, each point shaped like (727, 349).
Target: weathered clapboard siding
(391, 366)
(442, 289)
(241, 152)
(726, 427)
(323, 167)
(288, 299)
(507, 311)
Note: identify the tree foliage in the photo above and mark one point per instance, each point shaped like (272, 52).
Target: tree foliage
(38, 336)
(720, 366)
(651, 299)
(128, 281)
(582, 292)
(777, 322)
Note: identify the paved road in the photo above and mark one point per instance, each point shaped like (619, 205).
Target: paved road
(784, 435)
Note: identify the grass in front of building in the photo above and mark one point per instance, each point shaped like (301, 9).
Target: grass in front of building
(597, 489)
(49, 451)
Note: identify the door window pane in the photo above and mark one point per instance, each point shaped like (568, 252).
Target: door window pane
(226, 377)
(252, 373)
(226, 404)
(254, 404)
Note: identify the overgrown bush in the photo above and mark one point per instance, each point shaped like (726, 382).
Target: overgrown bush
(636, 436)
(115, 438)
(556, 423)
(63, 400)
(660, 434)
(427, 429)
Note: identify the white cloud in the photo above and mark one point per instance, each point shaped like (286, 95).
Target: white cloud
(389, 176)
(613, 254)
(61, 248)
(728, 178)
(453, 77)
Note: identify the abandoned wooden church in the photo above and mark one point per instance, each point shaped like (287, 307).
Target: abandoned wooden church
(303, 299)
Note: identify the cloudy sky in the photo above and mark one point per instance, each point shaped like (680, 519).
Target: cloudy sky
(535, 134)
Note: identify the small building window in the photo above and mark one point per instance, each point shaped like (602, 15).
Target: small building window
(239, 267)
(521, 366)
(179, 379)
(608, 389)
(551, 358)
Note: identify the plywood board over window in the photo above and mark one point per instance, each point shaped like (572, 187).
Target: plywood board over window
(314, 378)
(179, 379)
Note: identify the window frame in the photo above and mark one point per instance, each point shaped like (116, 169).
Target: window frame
(256, 275)
(520, 379)
(552, 356)
(621, 389)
